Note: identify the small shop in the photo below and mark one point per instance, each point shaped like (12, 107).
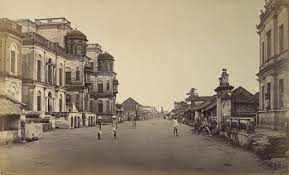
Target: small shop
(10, 116)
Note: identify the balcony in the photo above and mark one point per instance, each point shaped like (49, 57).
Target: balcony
(102, 94)
(88, 82)
(34, 38)
(88, 68)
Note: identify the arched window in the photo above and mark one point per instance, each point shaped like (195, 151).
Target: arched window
(77, 102)
(111, 66)
(107, 85)
(39, 101)
(108, 106)
(39, 69)
(79, 49)
(49, 102)
(100, 86)
(60, 103)
(77, 74)
(68, 75)
(74, 46)
(60, 79)
(50, 71)
(91, 106)
(100, 106)
(13, 58)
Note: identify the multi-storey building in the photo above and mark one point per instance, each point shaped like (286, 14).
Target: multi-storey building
(273, 74)
(106, 86)
(10, 58)
(62, 73)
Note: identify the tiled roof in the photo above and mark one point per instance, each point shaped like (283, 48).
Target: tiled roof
(7, 107)
(208, 102)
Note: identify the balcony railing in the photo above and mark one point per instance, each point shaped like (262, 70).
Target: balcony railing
(34, 38)
(101, 94)
(88, 68)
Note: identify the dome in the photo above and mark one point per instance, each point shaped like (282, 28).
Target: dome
(75, 34)
(105, 55)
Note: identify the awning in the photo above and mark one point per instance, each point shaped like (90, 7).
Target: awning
(8, 108)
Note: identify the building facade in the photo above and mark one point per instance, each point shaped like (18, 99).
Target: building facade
(52, 69)
(273, 74)
(10, 58)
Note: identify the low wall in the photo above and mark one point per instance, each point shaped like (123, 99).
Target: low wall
(62, 123)
(46, 127)
(241, 138)
(34, 130)
(8, 136)
(270, 118)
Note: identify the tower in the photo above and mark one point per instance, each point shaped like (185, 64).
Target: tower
(223, 97)
(77, 75)
(106, 86)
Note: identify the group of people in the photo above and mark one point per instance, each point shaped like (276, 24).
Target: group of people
(114, 127)
(200, 125)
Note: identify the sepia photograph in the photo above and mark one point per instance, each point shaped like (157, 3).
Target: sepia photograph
(144, 87)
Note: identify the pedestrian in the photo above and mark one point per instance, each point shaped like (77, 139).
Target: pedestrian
(99, 122)
(175, 126)
(114, 126)
(134, 122)
(22, 131)
(197, 125)
(99, 131)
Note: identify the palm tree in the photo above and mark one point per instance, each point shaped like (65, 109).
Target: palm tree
(192, 95)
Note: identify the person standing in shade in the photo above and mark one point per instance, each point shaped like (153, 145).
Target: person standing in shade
(114, 126)
(175, 126)
(22, 131)
(99, 131)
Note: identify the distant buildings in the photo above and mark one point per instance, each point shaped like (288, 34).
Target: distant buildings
(227, 104)
(132, 108)
(274, 65)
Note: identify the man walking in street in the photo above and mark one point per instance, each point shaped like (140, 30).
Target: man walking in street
(99, 131)
(134, 122)
(114, 126)
(175, 125)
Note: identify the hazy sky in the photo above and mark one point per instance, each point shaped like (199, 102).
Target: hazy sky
(163, 47)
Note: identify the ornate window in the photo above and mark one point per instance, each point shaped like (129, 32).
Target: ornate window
(39, 69)
(38, 101)
(60, 103)
(100, 86)
(100, 106)
(108, 106)
(281, 38)
(49, 102)
(60, 75)
(77, 74)
(281, 93)
(50, 70)
(68, 75)
(269, 45)
(107, 85)
(13, 59)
